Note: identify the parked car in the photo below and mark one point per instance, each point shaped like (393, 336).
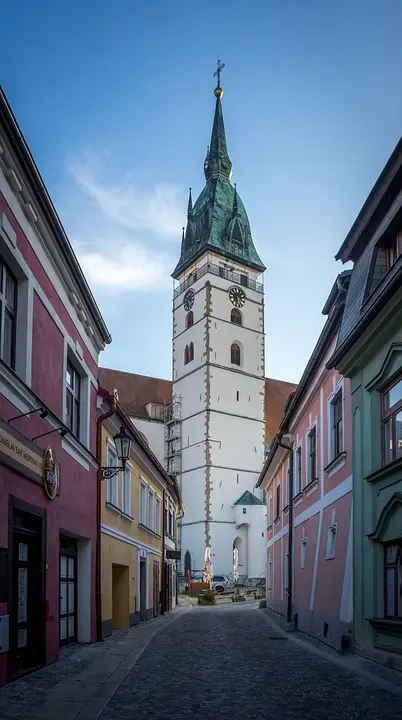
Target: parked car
(221, 583)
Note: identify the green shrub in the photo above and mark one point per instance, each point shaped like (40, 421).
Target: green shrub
(208, 595)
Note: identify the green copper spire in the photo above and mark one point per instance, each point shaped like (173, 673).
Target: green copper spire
(218, 160)
(218, 220)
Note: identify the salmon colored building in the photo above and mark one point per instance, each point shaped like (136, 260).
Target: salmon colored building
(51, 334)
(307, 478)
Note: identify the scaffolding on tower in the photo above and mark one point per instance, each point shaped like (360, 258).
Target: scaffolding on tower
(172, 429)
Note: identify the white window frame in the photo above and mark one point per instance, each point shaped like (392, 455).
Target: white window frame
(270, 511)
(112, 487)
(331, 537)
(339, 389)
(298, 453)
(303, 548)
(25, 299)
(126, 490)
(151, 509)
(143, 505)
(70, 355)
(158, 505)
(314, 425)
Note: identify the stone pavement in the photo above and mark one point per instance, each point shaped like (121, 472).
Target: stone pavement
(229, 661)
(79, 685)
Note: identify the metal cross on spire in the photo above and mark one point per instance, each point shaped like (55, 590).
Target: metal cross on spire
(218, 71)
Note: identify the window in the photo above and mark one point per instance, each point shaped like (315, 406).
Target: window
(235, 317)
(8, 314)
(337, 425)
(244, 280)
(244, 511)
(189, 319)
(126, 493)
(303, 547)
(166, 518)
(269, 571)
(278, 501)
(298, 484)
(287, 486)
(270, 518)
(186, 355)
(158, 516)
(171, 524)
(221, 271)
(235, 354)
(73, 395)
(191, 352)
(393, 249)
(237, 395)
(393, 580)
(391, 400)
(151, 508)
(112, 489)
(312, 454)
(143, 502)
(331, 537)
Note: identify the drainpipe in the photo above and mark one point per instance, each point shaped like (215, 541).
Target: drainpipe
(99, 422)
(290, 532)
(163, 577)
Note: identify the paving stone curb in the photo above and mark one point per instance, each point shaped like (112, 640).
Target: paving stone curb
(385, 678)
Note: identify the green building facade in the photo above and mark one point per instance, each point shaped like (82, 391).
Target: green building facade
(369, 352)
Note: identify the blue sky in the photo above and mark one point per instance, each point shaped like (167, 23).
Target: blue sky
(116, 102)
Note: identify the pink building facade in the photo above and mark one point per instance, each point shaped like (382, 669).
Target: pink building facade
(307, 479)
(51, 333)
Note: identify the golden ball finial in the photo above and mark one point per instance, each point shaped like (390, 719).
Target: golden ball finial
(218, 92)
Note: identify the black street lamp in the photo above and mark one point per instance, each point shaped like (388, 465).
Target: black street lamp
(122, 442)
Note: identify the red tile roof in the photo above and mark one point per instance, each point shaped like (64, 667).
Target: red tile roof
(136, 391)
(276, 395)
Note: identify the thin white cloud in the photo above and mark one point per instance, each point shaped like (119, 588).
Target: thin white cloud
(119, 231)
(158, 209)
(129, 269)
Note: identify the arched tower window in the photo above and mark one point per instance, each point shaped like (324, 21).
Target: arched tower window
(186, 355)
(189, 319)
(235, 354)
(235, 317)
(187, 562)
(191, 352)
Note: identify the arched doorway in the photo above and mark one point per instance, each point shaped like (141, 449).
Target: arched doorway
(239, 545)
(187, 562)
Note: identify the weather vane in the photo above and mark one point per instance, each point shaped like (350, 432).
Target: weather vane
(218, 71)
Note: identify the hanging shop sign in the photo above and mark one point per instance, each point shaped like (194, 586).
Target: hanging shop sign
(19, 453)
(50, 474)
(173, 554)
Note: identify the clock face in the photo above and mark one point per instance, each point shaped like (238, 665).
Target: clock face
(188, 300)
(237, 296)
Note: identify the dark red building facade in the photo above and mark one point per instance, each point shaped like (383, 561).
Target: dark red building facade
(51, 334)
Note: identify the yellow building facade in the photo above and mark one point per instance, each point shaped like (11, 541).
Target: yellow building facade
(132, 529)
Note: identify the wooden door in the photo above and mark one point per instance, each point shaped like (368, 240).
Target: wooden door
(27, 627)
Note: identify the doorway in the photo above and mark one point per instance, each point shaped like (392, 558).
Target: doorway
(68, 591)
(156, 589)
(143, 588)
(120, 596)
(27, 591)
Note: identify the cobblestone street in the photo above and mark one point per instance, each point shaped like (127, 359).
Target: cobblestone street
(227, 662)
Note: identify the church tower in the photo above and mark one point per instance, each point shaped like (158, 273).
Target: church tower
(218, 372)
